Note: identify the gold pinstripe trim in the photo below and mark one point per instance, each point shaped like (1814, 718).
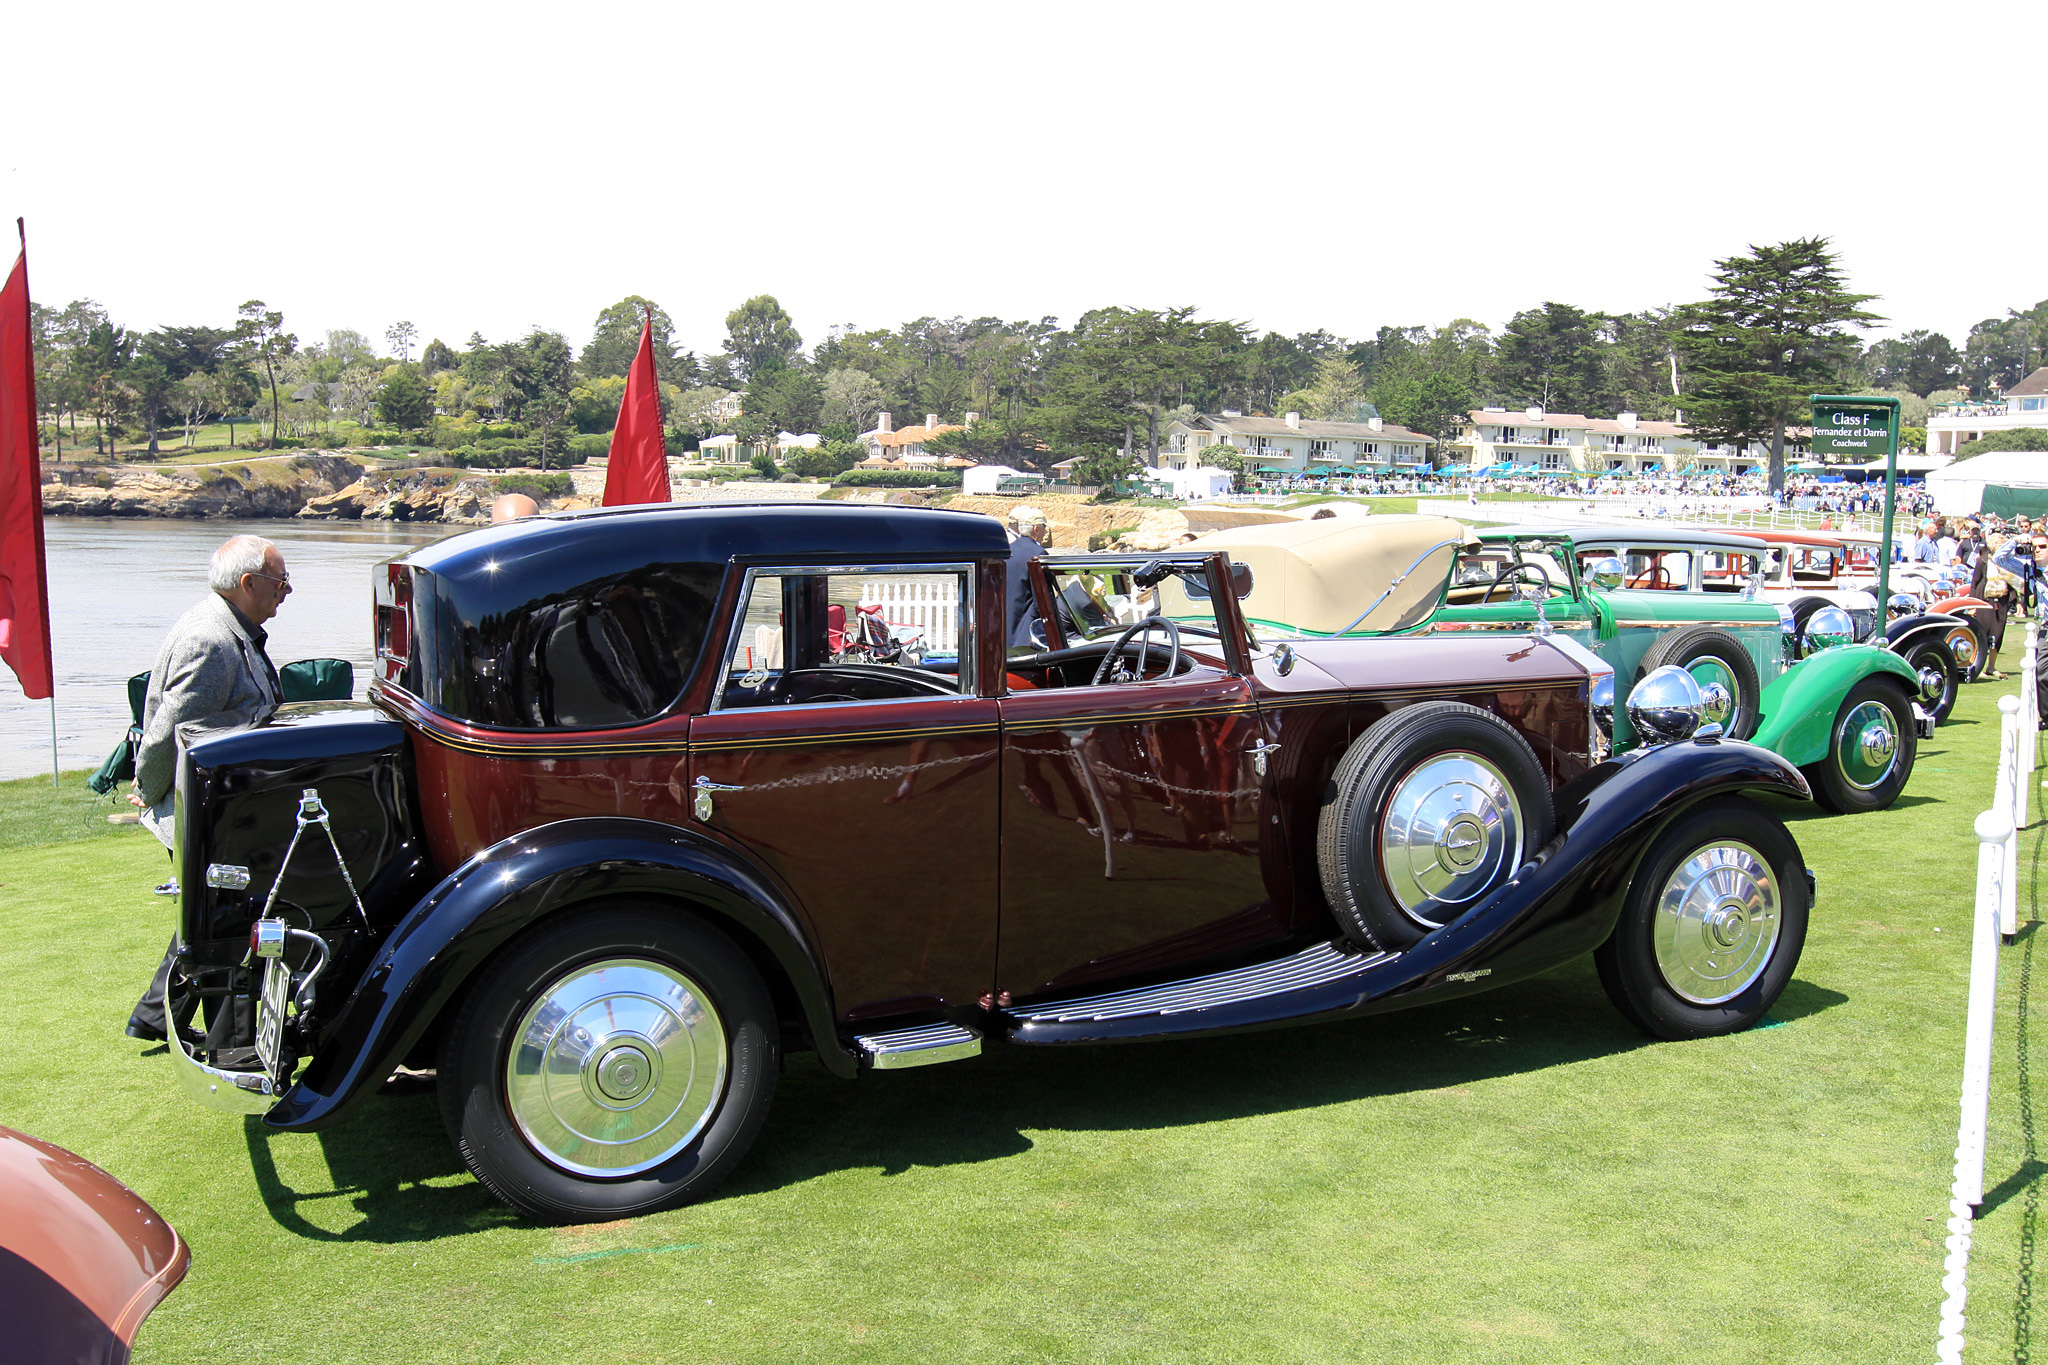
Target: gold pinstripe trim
(711, 746)
(597, 750)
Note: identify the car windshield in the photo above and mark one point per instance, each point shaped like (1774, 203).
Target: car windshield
(1498, 570)
(1099, 600)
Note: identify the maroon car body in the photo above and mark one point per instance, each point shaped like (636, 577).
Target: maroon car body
(83, 1259)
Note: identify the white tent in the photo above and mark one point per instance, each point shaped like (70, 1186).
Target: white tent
(988, 478)
(1958, 489)
(1192, 485)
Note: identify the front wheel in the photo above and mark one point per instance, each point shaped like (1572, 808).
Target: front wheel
(1871, 747)
(1712, 926)
(614, 1063)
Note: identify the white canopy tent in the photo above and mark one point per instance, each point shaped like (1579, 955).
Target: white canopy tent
(1194, 484)
(1958, 489)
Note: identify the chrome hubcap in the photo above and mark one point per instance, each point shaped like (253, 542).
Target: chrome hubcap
(1717, 688)
(1867, 744)
(1963, 645)
(1933, 683)
(616, 1067)
(1452, 832)
(1717, 923)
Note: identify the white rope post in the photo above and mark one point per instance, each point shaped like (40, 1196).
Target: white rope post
(1967, 1190)
(2009, 800)
(1994, 831)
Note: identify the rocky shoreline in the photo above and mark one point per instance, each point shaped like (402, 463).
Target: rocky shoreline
(331, 487)
(316, 487)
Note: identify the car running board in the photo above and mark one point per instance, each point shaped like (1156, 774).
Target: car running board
(919, 1045)
(1320, 965)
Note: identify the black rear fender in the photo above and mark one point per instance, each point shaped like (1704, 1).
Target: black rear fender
(422, 968)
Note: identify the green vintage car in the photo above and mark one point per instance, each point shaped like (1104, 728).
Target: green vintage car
(1843, 712)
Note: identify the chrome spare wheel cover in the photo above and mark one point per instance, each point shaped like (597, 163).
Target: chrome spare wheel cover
(1867, 744)
(1717, 687)
(616, 1067)
(1452, 831)
(1717, 923)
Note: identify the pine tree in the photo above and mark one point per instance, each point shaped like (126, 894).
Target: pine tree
(1773, 329)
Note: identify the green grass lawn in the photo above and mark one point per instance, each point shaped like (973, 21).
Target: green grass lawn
(1519, 1176)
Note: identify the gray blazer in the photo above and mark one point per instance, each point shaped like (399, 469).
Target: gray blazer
(209, 670)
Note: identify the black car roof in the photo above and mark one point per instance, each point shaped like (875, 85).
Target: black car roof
(713, 533)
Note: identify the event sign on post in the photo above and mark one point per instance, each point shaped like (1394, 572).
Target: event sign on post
(1850, 424)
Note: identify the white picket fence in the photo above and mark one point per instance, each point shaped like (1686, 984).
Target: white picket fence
(932, 604)
(1995, 922)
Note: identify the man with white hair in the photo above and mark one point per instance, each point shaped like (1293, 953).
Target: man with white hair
(212, 669)
(1028, 539)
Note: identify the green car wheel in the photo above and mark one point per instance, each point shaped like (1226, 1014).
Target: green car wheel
(1871, 748)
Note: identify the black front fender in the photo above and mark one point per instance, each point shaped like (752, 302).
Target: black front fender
(1903, 632)
(1562, 903)
(478, 908)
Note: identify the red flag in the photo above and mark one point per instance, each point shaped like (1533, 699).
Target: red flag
(639, 456)
(24, 581)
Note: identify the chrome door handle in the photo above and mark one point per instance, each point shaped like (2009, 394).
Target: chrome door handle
(1258, 752)
(703, 805)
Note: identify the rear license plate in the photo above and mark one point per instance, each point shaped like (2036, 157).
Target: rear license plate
(270, 1002)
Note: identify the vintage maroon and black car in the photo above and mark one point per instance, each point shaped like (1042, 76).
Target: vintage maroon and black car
(644, 799)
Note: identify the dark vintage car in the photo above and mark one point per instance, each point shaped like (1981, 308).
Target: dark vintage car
(633, 811)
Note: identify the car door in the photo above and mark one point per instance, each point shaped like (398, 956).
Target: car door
(860, 768)
(1133, 808)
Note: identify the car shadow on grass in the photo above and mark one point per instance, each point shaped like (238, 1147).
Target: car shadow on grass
(393, 1164)
(983, 1111)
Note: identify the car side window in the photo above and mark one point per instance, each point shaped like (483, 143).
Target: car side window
(816, 637)
(1154, 604)
(1659, 570)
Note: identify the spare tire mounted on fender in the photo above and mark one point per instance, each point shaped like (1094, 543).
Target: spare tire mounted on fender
(1430, 812)
(1715, 659)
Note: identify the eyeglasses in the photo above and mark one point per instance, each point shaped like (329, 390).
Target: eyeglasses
(282, 580)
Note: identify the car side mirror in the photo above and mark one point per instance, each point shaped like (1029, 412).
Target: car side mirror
(1607, 573)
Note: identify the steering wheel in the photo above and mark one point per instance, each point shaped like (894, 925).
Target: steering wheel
(1659, 576)
(1509, 572)
(1143, 628)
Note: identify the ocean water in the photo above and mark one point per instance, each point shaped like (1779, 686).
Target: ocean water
(116, 585)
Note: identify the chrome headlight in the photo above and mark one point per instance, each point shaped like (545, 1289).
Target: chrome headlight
(1828, 627)
(1607, 573)
(1666, 706)
(1862, 609)
(1901, 605)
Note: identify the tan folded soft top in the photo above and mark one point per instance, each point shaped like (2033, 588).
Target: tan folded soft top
(1321, 576)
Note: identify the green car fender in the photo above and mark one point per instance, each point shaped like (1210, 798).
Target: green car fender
(1800, 705)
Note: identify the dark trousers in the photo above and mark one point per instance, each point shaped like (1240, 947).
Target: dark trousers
(149, 1010)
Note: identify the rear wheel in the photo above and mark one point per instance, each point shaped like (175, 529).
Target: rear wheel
(1433, 808)
(614, 1063)
(1712, 926)
(1722, 667)
(1939, 678)
(1871, 747)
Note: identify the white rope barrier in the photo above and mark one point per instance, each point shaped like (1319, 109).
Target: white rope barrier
(1995, 920)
